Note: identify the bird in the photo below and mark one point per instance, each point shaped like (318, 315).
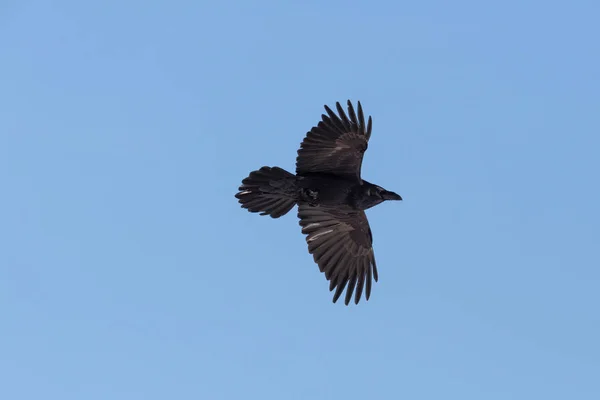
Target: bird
(331, 197)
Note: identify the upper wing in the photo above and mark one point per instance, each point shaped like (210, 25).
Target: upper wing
(336, 145)
(342, 245)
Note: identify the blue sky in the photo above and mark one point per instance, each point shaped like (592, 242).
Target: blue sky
(128, 270)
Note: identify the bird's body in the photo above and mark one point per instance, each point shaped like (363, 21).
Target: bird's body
(325, 189)
(331, 198)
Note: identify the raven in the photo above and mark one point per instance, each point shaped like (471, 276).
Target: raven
(331, 197)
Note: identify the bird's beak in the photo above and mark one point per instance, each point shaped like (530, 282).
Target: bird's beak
(391, 196)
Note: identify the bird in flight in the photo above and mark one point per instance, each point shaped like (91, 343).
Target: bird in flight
(331, 197)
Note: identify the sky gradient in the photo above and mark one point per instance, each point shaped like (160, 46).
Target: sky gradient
(128, 270)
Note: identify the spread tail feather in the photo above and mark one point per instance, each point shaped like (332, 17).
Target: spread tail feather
(269, 190)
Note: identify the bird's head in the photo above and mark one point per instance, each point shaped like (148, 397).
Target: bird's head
(373, 195)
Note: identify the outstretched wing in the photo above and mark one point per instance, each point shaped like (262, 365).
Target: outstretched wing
(342, 245)
(336, 145)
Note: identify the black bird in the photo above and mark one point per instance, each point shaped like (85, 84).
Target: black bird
(331, 196)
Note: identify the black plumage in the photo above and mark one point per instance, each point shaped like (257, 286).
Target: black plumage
(331, 197)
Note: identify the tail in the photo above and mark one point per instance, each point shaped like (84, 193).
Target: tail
(269, 190)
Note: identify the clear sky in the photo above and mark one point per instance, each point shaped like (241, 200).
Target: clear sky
(128, 270)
